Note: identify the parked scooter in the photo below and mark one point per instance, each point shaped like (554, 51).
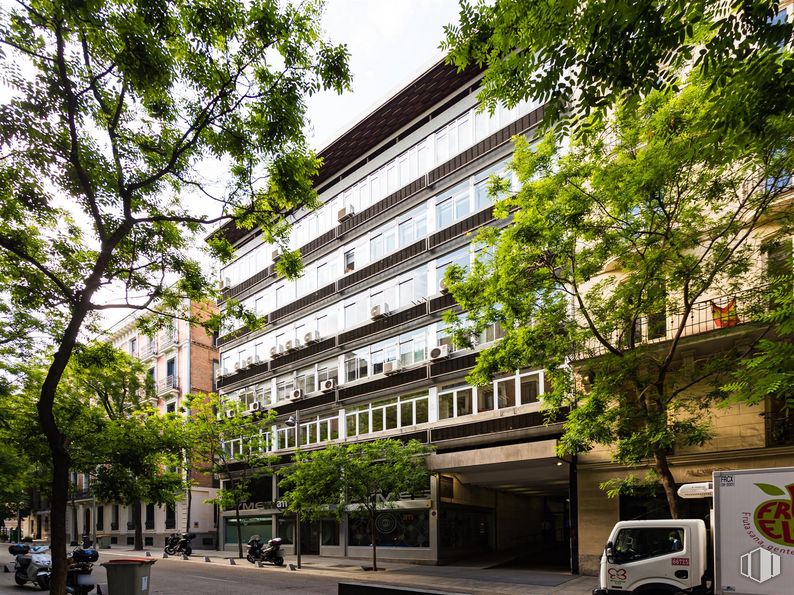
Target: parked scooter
(33, 564)
(272, 554)
(179, 543)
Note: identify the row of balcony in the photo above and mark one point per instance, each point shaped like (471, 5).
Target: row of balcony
(723, 312)
(155, 346)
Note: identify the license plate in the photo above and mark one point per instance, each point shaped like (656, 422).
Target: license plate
(85, 579)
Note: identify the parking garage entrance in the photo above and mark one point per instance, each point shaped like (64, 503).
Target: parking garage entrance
(506, 505)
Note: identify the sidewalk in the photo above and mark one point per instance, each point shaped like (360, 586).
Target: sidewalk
(452, 579)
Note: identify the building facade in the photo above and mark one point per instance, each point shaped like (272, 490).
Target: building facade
(358, 348)
(181, 360)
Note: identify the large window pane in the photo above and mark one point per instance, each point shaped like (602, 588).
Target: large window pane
(445, 404)
(484, 398)
(421, 411)
(506, 390)
(464, 399)
(529, 389)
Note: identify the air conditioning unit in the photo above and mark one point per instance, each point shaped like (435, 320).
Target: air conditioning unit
(440, 352)
(255, 406)
(327, 385)
(275, 255)
(225, 372)
(249, 361)
(392, 367)
(258, 359)
(227, 282)
(218, 374)
(379, 311)
(443, 285)
(311, 337)
(237, 367)
(345, 213)
(296, 395)
(230, 413)
(223, 283)
(277, 350)
(292, 345)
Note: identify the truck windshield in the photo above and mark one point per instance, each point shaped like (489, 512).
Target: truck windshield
(640, 543)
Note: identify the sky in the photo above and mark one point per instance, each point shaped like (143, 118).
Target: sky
(390, 42)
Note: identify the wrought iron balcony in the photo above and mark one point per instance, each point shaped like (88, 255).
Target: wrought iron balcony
(147, 351)
(724, 312)
(168, 338)
(167, 384)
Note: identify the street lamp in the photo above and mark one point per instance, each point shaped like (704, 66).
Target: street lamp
(296, 422)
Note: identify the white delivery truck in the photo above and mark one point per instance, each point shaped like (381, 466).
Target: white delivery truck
(748, 550)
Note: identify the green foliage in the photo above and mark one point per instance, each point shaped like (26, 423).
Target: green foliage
(583, 58)
(327, 481)
(768, 372)
(615, 242)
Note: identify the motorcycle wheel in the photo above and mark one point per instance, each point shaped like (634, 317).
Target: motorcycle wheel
(278, 561)
(44, 582)
(251, 559)
(188, 550)
(170, 550)
(19, 581)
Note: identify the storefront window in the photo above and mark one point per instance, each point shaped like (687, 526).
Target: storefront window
(393, 528)
(252, 525)
(286, 530)
(330, 532)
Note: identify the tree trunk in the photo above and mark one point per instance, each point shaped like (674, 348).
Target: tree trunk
(58, 508)
(137, 513)
(239, 531)
(374, 544)
(668, 482)
(189, 504)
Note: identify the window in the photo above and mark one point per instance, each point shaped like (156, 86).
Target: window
(391, 414)
(506, 392)
(356, 365)
(529, 388)
(491, 333)
(454, 402)
(481, 183)
(382, 244)
(305, 380)
(100, 518)
(281, 296)
(149, 519)
(459, 257)
(413, 347)
(327, 371)
(484, 398)
(349, 261)
(329, 528)
(412, 226)
(133, 346)
(170, 516)
(641, 543)
(284, 387)
(452, 205)
(355, 312)
(324, 274)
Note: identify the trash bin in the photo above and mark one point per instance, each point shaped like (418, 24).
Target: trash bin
(128, 576)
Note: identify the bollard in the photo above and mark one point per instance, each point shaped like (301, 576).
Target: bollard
(259, 563)
(165, 555)
(207, 559)
(292, 567)
(148, 554)
(232, 562)
(184, 557)
(5, 568)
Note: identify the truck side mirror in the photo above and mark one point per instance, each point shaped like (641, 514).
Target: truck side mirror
(608, 552)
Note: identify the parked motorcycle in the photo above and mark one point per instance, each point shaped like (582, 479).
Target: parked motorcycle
(272, 554)
(33, 564)
(179, 543)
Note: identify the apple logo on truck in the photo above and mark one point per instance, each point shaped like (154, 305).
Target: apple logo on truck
(774, 519)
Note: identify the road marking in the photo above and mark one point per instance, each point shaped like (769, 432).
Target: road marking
(209, 578)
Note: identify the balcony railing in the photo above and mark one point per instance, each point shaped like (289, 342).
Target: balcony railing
(168, 338)
(149, 350)
(707, 315)
(167, 384)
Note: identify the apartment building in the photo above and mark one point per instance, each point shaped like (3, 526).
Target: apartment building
(357, 346)
(180, 359)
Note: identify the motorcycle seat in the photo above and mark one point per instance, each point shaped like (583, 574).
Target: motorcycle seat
(23, 561)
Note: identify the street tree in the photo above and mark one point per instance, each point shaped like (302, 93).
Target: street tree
(221, 440)
(613, 248)
(584, 57)
(119, 113)
(360, 478)
(131, 452)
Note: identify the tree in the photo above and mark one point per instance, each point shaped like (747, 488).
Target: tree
(131, 451)
(584, 57)
(360, 478)
(222, 441)
(119, 109)
(610, 249)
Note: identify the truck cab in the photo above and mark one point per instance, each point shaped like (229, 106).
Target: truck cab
(654, 557)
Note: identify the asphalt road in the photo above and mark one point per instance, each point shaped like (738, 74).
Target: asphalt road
(176, 577)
